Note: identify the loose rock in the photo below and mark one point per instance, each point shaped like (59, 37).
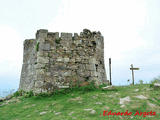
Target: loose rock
(151, 105)
(87, 109)
(57, 113)
(108, 88)
(125, 100)
(76, 99)
(136, 90)
(42, 113)
(141, 97)
(92, 112)
(98, 103)
(71, 113)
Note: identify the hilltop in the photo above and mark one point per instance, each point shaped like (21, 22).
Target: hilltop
(85, 105)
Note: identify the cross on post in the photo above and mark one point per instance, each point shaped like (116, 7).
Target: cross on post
(132, 68)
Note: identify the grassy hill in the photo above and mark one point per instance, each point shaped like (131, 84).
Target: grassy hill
(85, 105)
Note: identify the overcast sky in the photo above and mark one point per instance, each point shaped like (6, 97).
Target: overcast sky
(130, 29)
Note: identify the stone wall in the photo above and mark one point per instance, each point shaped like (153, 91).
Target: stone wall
(51, 60)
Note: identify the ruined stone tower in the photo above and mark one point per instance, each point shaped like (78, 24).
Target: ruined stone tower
(51, 61)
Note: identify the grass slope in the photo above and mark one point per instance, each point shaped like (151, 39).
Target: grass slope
(78, 105)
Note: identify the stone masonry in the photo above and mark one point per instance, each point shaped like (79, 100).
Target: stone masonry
(51, 61)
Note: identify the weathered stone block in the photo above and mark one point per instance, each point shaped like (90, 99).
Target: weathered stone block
(66, 60)
(39, 65)
(76, 36)
(94, 74)
(40, 77)
(41, 35)
(72, 60)
(67, 73)
(40, 53)
(93, 61)
(40, 71)
(69, 36)
(90, 67)
(39, 84)
(60, 59)
(43, 60)
(57, 35)
(77, 42)
(37, 90)
(64, 35)
(78, 59)
(46, 46)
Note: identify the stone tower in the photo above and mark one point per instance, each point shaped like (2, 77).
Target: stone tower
(54, 61)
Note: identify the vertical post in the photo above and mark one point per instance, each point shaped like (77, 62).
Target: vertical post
(132, 74)
(110, 71)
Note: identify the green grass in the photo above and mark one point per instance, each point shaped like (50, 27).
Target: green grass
(75, 102)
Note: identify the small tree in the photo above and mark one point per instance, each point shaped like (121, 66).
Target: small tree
(141, 82)
(128, 81)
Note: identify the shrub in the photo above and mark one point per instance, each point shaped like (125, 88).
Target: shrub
(155, 80)
(28, 94)
(89, 87)
(43, 94)
(103, 85)
(23, 93)
(18, 93)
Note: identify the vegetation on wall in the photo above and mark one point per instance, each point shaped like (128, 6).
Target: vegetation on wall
(37, 46)
(58, 40)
